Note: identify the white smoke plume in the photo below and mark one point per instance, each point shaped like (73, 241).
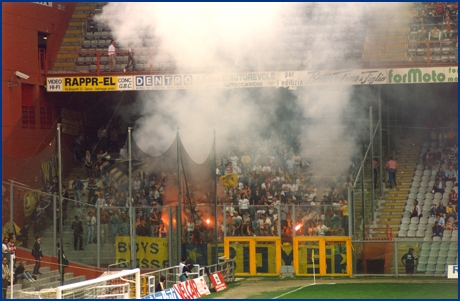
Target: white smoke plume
(220, 37)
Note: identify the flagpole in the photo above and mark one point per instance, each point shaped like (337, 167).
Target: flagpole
(313, 260)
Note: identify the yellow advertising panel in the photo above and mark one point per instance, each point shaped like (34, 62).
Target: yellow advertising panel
(152, 252)
(89, 84)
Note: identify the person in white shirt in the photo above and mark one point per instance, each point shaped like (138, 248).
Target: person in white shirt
(243, 204)
(112, 56)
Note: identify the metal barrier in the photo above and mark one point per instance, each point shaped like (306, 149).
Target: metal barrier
(149, 280)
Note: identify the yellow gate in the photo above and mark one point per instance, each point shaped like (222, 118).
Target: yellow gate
(254, 255)
(322, 256)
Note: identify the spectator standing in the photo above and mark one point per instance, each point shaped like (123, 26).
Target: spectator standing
(391, 167)
(112, 56)
(65, 261)
(184, 269)
(24, 236)
(409, 260)
(12, 249)
(6, 277)
(415, 210)
(77, 228)
(90, 223)
(37, 253)
(5, 251)
(141, 229)
(344, 210)
(88, 161)
(77, 188)
(131, 61)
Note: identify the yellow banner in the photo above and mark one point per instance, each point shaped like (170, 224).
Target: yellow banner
(229, 181)
(152, 252)
(91, 83)
(31, 199)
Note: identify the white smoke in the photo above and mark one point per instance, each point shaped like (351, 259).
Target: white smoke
(219, 37)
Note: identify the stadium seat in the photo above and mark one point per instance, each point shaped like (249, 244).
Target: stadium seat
(402, 233)
(89, 35)
(430, 268)
(436, 246)
(440, 269)
(444, 246)
(410, 233)
(454, 237)
(447, 233)
(413, 227)
(429, 196)
(437, 238)
(423, 259)
(404, 227)
(86, 44)
(422, 226)
(451, 260)
(421, 267)
(432, 259)
(427, 237)
(420, 233)
(434, 253)
(422, 190)
(453, 246)
(414, 220)
(443, 252)
(424, 253)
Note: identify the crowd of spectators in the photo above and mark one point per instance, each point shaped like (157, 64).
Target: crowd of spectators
(436, 22)
(275, 194)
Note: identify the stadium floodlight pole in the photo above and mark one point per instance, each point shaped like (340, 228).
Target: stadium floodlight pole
(61, 227)
(371, 157)
(11, 273)
(179, 207)
(131, 209)
(216, 224)
(11, 207)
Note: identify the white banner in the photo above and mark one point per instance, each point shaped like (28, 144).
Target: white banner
(452, 271)
(291, 79)
(50, 4)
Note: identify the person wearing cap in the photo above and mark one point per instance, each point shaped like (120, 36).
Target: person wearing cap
(408, 260)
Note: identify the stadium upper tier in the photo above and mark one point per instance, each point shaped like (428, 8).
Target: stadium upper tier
(389, 38)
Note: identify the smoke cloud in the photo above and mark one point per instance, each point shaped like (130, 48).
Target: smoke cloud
(224, 37)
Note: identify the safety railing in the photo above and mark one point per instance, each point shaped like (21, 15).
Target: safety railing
(148, 61)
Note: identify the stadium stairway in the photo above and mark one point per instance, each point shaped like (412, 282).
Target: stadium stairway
(48, 279)
(392, 206)
(74, 37)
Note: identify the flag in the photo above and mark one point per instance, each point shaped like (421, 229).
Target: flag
(230, 180)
